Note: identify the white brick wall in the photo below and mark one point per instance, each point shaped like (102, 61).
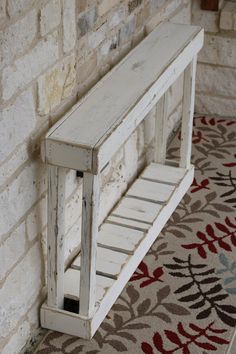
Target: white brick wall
(50, 16)
(17, 122)
(28, 67)
(216, 72)
(17, 38)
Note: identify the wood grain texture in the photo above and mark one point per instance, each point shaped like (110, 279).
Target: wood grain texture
(187, 115)
(89, 233)
(56, 235)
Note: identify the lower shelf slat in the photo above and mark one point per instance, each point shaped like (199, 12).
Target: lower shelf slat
(123, 240)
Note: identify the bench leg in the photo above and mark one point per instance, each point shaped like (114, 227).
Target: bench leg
(89, 244)
(161, 129)
(187, 116)
(56, 233)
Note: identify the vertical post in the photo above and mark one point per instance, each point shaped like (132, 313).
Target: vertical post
(187, 115)
(161, 129)
(89, 244)
(56, 235)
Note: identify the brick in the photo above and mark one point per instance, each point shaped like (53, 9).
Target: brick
(127, 30)
(209, 77)
(142, 16)
(19, 196)
(156, 3)
(209, 20)
(20, 290)
(56, 84)
(213, 105)
(17, 38)
(219, 50)
(18, 7)
(87, 68)
(175, 94)
(2, 10)
(87, 21)
(50, 16)
(228, 17)
(10, 166)
(29, 66)
(12, 249)
(183, 16)
(37, 219)
(18, 339)
(16, 123)
(69, 25)
(117, 17)
(106, 5)
(133, 4)
(96, 37)
(81, 5)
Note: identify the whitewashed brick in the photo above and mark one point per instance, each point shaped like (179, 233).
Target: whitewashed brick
(50, 16)
(73, 209)
(209, 20)
(12, 249)
(183, 16)
(37, 219)
(106, 5)
(17, 38)
(216, 80)
(117, 17)
(18, 197)
(73, 238)
(2, 10)
(95, 38)
(18, 340)
(228, 16)
(87, 21)
(20, 290)
(56, 84)
(175, 94)
(28, 67)
(219, 50)
(16, 123)
(224, 107)
(131, 156)
(10, 165)
(128, 29)
(72, 182)
(19, 6)
(69, 25)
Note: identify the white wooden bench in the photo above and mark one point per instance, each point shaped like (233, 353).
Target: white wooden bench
(85, 139)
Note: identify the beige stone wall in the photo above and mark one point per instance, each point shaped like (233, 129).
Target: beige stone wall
(216, 72)
(51, 53)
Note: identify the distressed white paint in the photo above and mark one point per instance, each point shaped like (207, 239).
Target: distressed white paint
(109, 289)
(187, 116)
(104, 119)
(56, 234)
(89, 244)
(161, 129)
(87, 137)
(109, 262)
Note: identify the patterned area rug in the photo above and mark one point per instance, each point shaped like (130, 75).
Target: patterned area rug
(182, 297)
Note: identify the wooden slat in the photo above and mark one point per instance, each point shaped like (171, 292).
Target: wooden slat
(161, 129)
(55, 237)
(119, 238)
(109, 262)
(89, 243)
(163, 173)
(132, 224)
(150, 191)
(130, 208)
(187, 117)
(72, 288)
